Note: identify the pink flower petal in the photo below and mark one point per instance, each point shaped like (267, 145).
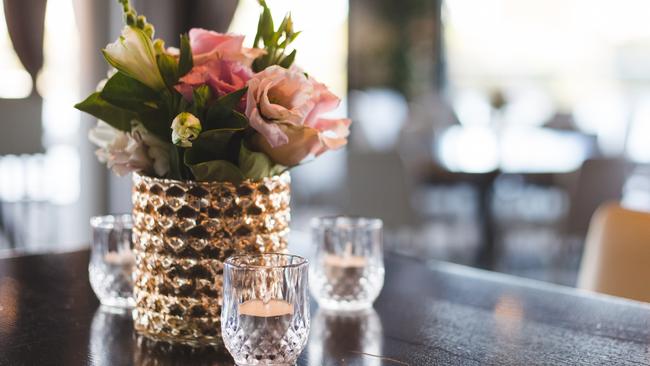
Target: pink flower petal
(271, 132)
(209, 45)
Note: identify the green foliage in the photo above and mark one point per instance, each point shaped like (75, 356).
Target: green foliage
(157, 121)
(275, 42)
(248, 165)
(257, 165)
(288, 61)
(117, 117)
(200, 99)
(142, 103)
(128, 93)
(232, 100)
(216, 145)
(168, 67)
(216, 171)
(185, 61)
(209, 157)
(175, 164)
(222, 114)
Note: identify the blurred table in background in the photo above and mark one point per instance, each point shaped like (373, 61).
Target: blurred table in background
(484, 158)
(516, 150)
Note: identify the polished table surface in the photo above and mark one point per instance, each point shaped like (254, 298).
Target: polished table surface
(427, 314)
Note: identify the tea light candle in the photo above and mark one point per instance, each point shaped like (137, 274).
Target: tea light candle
(265, 320)
(347, 260)
(349, 268)
(267, 309)
(354, 261)
(120, 258)
(343, 272)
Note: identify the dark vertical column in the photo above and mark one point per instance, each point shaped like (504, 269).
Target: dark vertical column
(440, 69)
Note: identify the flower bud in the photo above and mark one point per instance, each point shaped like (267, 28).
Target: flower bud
(185, 128)
(125, 5)
(149, 30)
(289, 27)
(141, 21)
(130, 18)
(159, 46)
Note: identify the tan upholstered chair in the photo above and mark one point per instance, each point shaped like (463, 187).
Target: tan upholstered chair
(616, 259)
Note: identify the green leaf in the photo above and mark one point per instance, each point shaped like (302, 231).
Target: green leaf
(125, 92)
(231, 100)
(267, 26)
(185, 62)
(168, 69)
(221, 115)
(283, 25)
(213, 170)
(157, 122)
(258, 34)
(257, 165)
(96, 106)
(288, 60)
(214, 145)
(201, 97)
(216, 171)
(174, 164)
(293, 37)
(259, 64)
(219, 118)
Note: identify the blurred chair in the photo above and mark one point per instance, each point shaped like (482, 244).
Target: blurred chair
(599, 180)
(379, 187)
(616, 258)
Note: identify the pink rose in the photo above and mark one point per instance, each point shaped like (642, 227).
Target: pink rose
(220, 61)
(208, 45)
(222, 76)
(285, 106)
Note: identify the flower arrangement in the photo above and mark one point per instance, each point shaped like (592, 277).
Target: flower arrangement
(212, 110)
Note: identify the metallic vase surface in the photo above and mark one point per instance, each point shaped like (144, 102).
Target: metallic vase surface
(183, 231)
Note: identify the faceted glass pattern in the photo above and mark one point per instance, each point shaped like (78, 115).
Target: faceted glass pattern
(348, 268)
(268, 335)
(183, 231)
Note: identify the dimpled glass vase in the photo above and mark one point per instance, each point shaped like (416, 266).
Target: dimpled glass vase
(183, 231)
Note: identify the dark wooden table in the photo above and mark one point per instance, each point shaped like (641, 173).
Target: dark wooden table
(427, 314)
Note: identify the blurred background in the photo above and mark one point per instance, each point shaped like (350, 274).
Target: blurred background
(485, 132)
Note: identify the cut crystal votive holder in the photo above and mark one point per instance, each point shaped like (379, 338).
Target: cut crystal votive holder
(111, 260)
(348, 269)
(265, 313)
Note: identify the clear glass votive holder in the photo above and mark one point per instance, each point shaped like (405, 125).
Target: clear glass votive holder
(111, 260)
(265, 313)
(348, 269)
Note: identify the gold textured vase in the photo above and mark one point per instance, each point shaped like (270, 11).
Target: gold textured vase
(182, 233)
